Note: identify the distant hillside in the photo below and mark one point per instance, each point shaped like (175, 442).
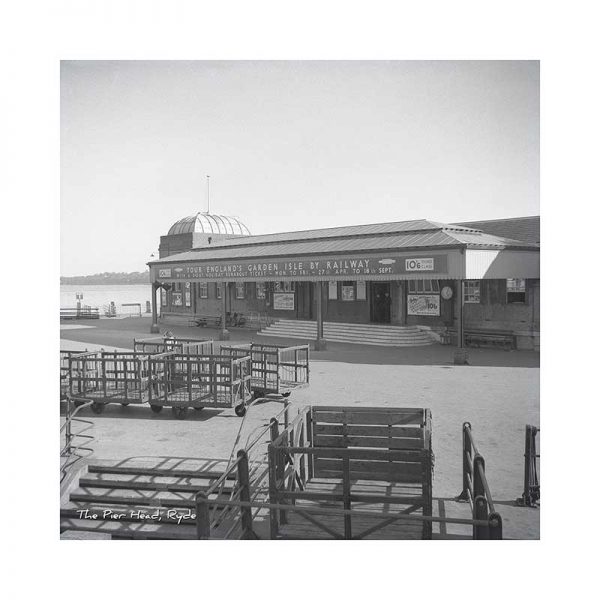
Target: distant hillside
(107, 279)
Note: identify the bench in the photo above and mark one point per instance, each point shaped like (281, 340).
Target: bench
(475, 337)
(205, 321)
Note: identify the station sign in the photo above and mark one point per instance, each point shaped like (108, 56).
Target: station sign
(303, 267)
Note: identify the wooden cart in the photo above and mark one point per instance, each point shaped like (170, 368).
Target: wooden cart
(275, 369)
(158, 345)
(65, 355)
(110, 378)
(199, 381)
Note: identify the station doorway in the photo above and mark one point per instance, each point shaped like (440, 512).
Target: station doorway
(381, 302)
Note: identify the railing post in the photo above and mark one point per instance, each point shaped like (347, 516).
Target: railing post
(495, 526)
(202, 516)
(273, 496)
(466, 443)
(244, 482)
(480, 503)
(68, 435)
(346, 491)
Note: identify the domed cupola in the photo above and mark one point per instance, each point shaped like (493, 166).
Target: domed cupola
(210, 224)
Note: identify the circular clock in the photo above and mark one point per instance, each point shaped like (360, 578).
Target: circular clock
(447, 292)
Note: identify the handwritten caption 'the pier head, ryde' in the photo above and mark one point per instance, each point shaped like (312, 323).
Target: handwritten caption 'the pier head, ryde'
(166, 516)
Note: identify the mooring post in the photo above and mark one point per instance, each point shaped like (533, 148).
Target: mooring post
(202, 516)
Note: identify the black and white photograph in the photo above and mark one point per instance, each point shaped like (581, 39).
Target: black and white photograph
(315, 314)
(274, 292)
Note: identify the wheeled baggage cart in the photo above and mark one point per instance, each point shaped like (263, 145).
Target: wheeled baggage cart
(110, 378)
(199, 381)
(160, 344)
(275, 369)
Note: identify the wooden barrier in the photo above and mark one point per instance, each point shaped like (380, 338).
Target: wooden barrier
(476, 491)
(352, 447)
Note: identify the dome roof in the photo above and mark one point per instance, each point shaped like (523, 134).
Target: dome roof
(208, 223)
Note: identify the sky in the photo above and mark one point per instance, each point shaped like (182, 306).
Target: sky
(288, 146)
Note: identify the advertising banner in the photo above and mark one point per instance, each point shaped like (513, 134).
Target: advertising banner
(322, 266)
(424, 304)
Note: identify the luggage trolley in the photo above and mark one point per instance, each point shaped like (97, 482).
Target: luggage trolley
(276, 370)
(199, 381)
(65, 355)
(109, 378)
(158, 345)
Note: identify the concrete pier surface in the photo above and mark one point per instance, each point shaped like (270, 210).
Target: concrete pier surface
(498, 393)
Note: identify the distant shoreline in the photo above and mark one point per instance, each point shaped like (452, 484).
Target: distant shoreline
(108, 279)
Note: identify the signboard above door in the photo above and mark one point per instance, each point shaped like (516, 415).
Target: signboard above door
(303, 268)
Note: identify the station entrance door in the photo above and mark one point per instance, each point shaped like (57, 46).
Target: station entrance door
(304, 297)
(381, 302)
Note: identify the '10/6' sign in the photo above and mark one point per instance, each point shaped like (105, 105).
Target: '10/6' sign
(419, 264)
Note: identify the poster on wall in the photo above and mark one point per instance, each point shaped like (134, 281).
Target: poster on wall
(347, 292)
(163, 297)
(424, 304)
(332, 290)
(283, 301)
(361, 290)
(176, 299)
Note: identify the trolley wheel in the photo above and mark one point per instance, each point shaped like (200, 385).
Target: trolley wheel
(198, 408)
(97, 407)
(180, 412)
(124, 403)
(155, 408)
(240, 410)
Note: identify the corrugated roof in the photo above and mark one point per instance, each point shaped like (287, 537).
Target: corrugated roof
(422, 234)
(524, 229)
(373, 229)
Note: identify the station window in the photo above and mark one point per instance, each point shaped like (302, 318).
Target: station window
(219, 293)
(423, 286)
(260, 291)
(472, 292)
(163, 297)
(278, 286)
(240, 290)
(288, 286)
(515, 290)
(203, 290)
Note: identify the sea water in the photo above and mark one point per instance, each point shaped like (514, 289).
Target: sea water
(100, 296)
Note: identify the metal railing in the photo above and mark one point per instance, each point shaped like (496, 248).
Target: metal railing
(487, 523)
(226, 512)
(531, 482)
(76, 443)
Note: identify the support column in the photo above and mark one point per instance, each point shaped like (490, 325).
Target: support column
(460, 354)
(224, 335)
(320, 342)
(154, 327)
